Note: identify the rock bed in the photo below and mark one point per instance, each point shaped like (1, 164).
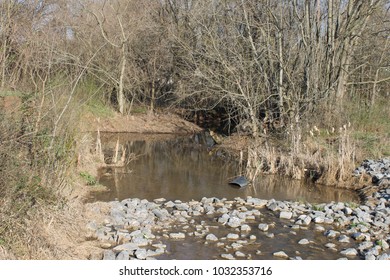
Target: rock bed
(379, 170)
(130, 231)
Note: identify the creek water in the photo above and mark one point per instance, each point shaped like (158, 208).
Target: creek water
(184, 168)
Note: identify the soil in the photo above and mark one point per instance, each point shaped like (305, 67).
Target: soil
(140, 123)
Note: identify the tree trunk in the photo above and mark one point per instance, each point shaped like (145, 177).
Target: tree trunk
(121, 96)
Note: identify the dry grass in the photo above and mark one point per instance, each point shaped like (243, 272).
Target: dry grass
(321, 155)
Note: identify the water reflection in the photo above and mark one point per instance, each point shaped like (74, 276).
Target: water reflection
(184, 168)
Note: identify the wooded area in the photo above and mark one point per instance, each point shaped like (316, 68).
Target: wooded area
(266, 62)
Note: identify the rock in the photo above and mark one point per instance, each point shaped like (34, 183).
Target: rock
(365, 245)
(245, 228)
(123, 256)
(273, 206)
(319, 228)
(224, 219)
(125, 247)
(370, 257)
(227, 256)
(330, 245)
(233, 236)
(307, 220)
(296, 258)
(383, 244)
(319, 220)
(252, 237)
(384, 257)
(169, 204)
(280, 254)
(239, 254)
(211, 237)
(270, 235)
(343, 239)
(303, 241)
(349, 252)
(234, 222)
(263, 227)
(236, 245)
(105, 245)
(285, 215)
(178, 235)
(256, 202)
(331, 233)
(141, 254)
(108, 255)
(360, 236)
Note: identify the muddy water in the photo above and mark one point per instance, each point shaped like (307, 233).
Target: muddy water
(186, 169)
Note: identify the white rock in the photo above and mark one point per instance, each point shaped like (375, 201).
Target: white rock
(179, 235)
(211, 237)
(285, 215)
(303, 241)
(349, 252)
(263, 227)
(281, 254)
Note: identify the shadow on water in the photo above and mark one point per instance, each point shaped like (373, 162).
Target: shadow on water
(184, 168)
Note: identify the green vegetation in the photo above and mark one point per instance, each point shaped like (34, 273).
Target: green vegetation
(90, 180)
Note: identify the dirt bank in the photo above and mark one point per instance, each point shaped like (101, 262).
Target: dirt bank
(139, 123)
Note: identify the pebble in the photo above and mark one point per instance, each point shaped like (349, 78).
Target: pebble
(239, 254)
(285, 215)
(331, 233)
(303, 241)
(211, 237)
(227, 256)
(179, 235)
(263, 227)
(281, 254)
(108, 255)
(233, 236)
(343, 239)
(349, 252)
